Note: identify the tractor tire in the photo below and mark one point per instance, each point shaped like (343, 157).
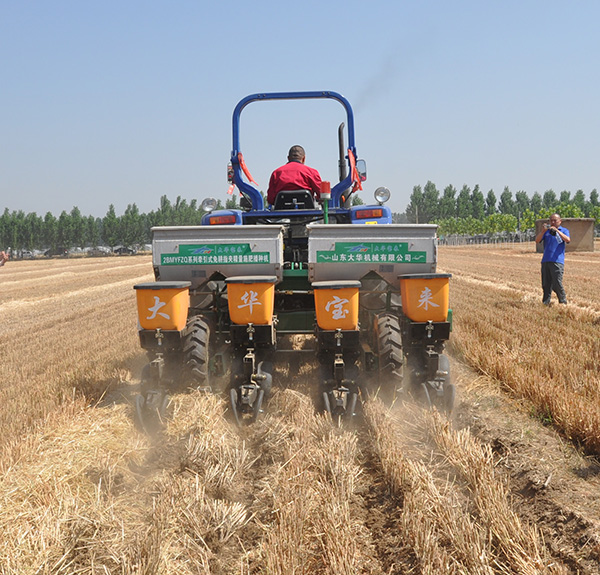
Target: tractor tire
(390, 355)
(196, 353)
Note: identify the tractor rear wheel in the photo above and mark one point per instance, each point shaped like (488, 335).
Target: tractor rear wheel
(196, 353)
(390, 355)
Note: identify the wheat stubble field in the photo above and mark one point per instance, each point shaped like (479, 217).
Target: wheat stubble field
(510, 485)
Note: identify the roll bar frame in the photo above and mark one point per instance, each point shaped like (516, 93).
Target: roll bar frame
(252, 191)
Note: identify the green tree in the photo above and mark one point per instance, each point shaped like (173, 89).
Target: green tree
(591, 204)
(49, 238)
(478, 203)
(464, 207)
(415, 208)
(78, 229)
(232, 203)
(93, 228)
(565, 197)
(165, 212)
(549, 199)
(21, 230)
(431, 203)
(579, 200)
(497, 223)
(490, 203)
(565, 211)
(447, 226)
(536, 203)
(64, 233)
(528, 218)
(473, 226)
(507, 204)
(569, 210)
(182, 213)
(399, 218)
(110, 226)
(522, 202)
(5, 229)
(12, 230)
(448, 203)
(131, 227)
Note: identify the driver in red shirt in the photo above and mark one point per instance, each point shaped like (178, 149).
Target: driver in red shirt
(295, 175)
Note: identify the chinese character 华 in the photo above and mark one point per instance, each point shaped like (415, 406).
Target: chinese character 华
(249, 299)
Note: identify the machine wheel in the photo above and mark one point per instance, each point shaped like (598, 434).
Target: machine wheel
(326, 403)
(423, 396)
(389, 348)
(349, 415)
(449, 398)
(233, 399)
(151, 411)
(196, 357)
(351, 409)
(148, 378)
(445, 402)
(340, 414)
(241, 415)
(258, 405)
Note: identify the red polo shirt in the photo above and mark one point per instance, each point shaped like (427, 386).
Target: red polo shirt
(294, 176)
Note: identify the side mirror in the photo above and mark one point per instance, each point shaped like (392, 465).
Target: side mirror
(361, 168)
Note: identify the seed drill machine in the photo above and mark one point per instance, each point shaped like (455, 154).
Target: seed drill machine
(230, 294)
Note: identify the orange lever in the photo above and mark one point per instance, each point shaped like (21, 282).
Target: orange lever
(244, 168)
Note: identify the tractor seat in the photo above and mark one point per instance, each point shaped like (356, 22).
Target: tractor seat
(294, 200)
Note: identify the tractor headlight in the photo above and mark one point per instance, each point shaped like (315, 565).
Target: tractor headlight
(208, 204)
(382, 195)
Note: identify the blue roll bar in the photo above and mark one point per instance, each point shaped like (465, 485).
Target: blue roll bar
(246, 187)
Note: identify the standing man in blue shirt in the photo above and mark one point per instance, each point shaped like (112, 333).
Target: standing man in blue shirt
(555, 237)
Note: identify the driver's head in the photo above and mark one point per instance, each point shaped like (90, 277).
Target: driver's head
(296, 154)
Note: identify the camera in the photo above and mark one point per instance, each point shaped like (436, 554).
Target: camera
(553, 232)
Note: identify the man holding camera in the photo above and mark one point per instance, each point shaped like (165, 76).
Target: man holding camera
(555, 237)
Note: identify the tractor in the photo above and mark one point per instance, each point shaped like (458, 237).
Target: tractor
(230, 293)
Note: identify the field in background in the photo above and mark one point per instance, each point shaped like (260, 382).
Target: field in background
(82, 491)
(549, 356)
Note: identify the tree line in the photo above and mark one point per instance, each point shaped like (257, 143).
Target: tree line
(467, 211)
(21, 231)
(470, 211)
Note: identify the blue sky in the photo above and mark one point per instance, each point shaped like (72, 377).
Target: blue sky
(123, 102)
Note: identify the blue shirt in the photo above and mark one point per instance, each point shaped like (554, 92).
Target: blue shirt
(554, 246)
